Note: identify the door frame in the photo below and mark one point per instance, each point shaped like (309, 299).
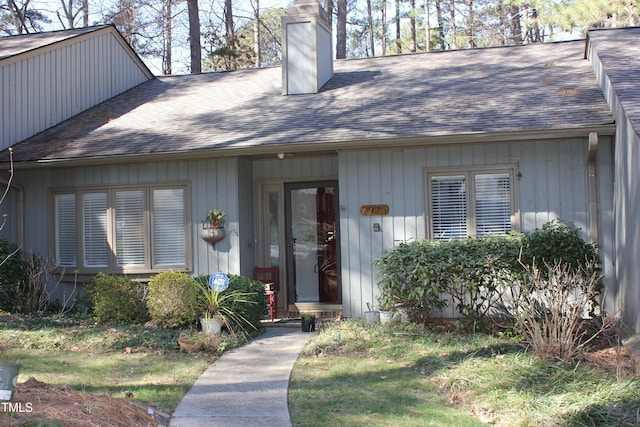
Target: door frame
(266, 186)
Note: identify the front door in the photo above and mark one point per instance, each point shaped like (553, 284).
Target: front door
(312, 242)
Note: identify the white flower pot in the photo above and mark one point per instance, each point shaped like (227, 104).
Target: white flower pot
(211, 325)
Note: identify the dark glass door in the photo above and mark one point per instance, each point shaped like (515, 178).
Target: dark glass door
(312, 242)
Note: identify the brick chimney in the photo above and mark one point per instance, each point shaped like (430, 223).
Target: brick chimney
(307, 56)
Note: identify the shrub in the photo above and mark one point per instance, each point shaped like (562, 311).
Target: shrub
(13, 276)
(117, 299)
(551, 306)
(410, 278)
(247, 304)
(478, 273)
(555, 242)
(172, 299)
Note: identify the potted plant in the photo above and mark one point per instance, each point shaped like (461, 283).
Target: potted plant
(189, 344)
(215, 311)
(308, 322)
(216, 217)
(213, 226)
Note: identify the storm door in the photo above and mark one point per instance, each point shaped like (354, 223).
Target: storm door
(312, 242)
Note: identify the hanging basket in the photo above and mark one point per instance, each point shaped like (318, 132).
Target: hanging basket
(212, 234)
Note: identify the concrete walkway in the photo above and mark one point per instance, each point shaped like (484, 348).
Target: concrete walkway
(247, 386)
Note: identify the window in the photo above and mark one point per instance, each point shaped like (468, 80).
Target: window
(470, 202)
(122, 229)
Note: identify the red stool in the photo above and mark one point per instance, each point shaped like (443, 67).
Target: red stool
(269, 276)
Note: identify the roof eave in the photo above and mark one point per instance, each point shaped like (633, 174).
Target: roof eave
(324, 147)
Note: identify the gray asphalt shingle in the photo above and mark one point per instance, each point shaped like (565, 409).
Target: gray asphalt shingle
(619, 52)
(503, 89)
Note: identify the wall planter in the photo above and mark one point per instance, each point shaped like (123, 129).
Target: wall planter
(213, 226)
(212, 234)
(8, 379)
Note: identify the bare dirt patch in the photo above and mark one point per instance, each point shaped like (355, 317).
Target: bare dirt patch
(35, 402)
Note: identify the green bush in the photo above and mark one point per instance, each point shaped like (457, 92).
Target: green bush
(249, 309)
(172, 300)
(117, 298)
(477, 272)
(13, 276)
(555, 242)
(410, 278)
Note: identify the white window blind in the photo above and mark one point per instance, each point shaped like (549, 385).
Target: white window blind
(449, 207)
(168, 227)
(65, 230)
(493, 203)
(130, 238)
(94, 221)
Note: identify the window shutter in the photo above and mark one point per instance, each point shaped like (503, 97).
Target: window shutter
(169, 222)
(94, 219)
(65, 223)
(493, 203)
(448, 207)
(130, 228)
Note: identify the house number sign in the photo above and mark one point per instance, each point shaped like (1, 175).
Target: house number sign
(369, 210)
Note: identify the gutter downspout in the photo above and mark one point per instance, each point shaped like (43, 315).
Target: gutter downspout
(593, 186)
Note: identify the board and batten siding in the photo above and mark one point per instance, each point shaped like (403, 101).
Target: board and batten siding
(213, 184)
(553, 184)
(624, 297)
(49, 85)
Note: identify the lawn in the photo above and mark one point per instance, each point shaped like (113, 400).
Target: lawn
(349, 374)
(138, 364)
(352, 374)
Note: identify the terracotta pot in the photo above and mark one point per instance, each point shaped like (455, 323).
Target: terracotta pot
(189, 347)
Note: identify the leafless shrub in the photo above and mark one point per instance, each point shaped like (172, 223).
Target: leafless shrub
(551, 307)
(37, 290)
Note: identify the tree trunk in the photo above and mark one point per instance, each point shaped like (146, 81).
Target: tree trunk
(471, 26)
(328, 8)
(398, 41)
(452, 25)
(230, 35)
(372, 44)
(516, 29)
(412, 25)
(194, 37)
(427, 25)
(169, 40)
(256, 32)
(383, 41)
(341, 30)
(85, 13)
(440, 25)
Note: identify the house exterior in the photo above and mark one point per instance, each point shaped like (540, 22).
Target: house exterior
(321, 166)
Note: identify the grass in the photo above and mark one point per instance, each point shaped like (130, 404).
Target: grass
(145, 364)
(377, 375)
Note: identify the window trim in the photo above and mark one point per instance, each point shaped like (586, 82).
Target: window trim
(468, 171)
(113, 267)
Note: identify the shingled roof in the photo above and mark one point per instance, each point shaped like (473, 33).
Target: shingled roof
(619, 52)
(16, 45)
(384, 100)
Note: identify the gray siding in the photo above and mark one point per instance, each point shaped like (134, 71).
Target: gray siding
(623, 295)
(553, 184)
(214, 184)
(43, 89)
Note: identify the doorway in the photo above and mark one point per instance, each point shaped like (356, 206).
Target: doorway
(311, 240)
